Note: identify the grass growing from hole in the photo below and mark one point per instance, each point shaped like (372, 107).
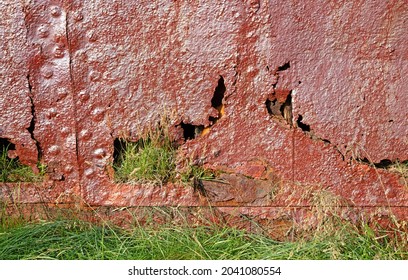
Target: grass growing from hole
(198, 172)
(150, 159)
(74, 239)
(12, 171)
(401, 168)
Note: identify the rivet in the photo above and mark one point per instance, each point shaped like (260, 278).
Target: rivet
(65, 131)
(59, 40)
(55, 11)
(89, 172)
(43, 31)
(68, 169)
(99, 153)
(62, 93)
(83, 96)
(98, 114)
(85, 135)
(51, 113)
(78, 16)
(94, 76)
(54, 150)
(254, 5)
(48, 73)
(58, 52)
(91, 35)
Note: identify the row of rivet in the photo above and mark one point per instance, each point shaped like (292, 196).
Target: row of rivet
(98, 114)
(58, 52)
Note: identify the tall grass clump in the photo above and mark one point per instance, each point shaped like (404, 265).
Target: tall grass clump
(196, 172)
(151, 159)
(12, 171)
(401, 168)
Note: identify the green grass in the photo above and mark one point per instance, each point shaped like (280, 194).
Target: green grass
(68, 239)
(198, 172)
(152, 159)
(401, 168)
(12, 171)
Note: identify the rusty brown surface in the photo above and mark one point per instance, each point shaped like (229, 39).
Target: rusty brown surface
(307, 91)
(51, 88)
(16, 105)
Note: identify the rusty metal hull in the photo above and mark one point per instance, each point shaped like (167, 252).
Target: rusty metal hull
(311, 92)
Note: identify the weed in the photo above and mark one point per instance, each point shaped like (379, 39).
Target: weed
(11, 170)
(196, 172)
(151, 159)
(401, 168)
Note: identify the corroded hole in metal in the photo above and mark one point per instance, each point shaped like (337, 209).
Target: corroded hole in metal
(11, 170)
(119, 153)
(154, 161)
(217, 99)
(150, 157)
(281, 111)
(383, 164)
(142, 161)
(272, 106)
(278, 108)
(191, 131)
(301, 125)
(284, 67)
(286, 109)
(5, 144)
(119, 147)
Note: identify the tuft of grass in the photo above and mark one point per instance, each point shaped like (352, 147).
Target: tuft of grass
(12, 171)
(198, 172)
(401, 168)
(150, 159)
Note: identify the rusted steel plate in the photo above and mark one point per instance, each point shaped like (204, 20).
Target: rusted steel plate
(46, 92)
(132, 63)
(16, 105)
(354, 91)
(287, 100)
(50, 78)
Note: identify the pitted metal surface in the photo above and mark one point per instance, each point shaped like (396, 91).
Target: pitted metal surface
(309, 92)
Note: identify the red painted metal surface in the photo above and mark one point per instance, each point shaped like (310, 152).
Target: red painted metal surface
(16, 100)
(293, 97)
